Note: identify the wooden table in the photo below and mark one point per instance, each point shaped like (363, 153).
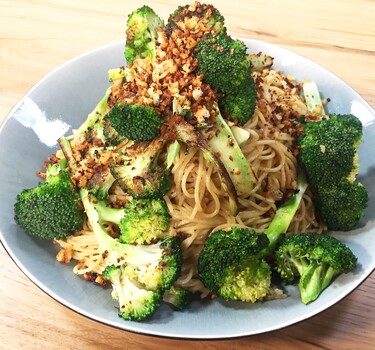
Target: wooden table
(37, 36)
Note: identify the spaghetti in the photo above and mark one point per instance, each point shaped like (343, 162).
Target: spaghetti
(198, 202)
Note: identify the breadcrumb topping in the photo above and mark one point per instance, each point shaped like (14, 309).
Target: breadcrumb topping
(171, 76)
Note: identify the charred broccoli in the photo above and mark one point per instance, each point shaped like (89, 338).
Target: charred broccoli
(137, 172)
(222, 142)
(204, 18)
(92, 127)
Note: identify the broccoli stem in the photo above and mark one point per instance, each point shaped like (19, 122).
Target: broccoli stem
(310, 282)
(113, 215)
(285, 214)
(96, 114)
(106, 241)
(187, 134)
(241, 135)
(117, 73)
(173, 150)
(312, 98)
(222, 141)
(66, 148)
(314, 280)
(315, 277)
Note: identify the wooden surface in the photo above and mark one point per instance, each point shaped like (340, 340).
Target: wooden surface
(37, 36)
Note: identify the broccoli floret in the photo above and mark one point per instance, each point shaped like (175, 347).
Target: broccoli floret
(315, 259)
(328, 148)
(135, 302)
(51, 209)
(228, 263)
(329, 155)
(341, 205)
(145, 221)
(249, 281)
(178, 297)
(141, 221)
(141, 33)
(232, 264)
(135, 122)
(138, 173)
(225, 66)
(153, 266)
(206, 18)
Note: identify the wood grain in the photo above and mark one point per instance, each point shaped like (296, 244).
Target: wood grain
(36, 36)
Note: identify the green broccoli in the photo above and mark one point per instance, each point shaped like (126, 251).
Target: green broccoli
(341, 204)
(141, 34)
(141, 221)
(137, 172)
(328, 148)
(135, 122)
(328, 151)
(178, 297)
(153, 266)
(285, 214)
(233, 264)
(145, 221)
(315, 259)
(51, 209)
(229, 265)
(225, 66)
(135, 302)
